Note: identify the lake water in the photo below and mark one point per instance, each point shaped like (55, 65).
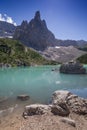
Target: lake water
(39, 83)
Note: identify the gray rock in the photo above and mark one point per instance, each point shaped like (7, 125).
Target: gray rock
(60, 110)
(77, 104)
(73, 67)
(73, 102)
(68, 121)
(36, 109)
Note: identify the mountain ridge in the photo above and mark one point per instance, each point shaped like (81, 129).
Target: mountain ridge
(35, 34)
(6, 29)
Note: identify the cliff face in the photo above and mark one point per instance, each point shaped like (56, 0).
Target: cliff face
(35, 34)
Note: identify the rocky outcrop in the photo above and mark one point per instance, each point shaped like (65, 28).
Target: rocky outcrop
(61, 109)
(36, 109)
(73, 102)
(35, 34)
(40, 109)
(63, 102)
(72, 68)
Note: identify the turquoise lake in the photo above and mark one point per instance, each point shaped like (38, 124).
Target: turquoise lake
(39, 82)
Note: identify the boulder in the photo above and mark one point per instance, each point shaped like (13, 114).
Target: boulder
(72, 67)
(73, 102)
(36, 109)
(23, 97)
(77, 104)
(60, 96)
(63, 102)
(60, 110)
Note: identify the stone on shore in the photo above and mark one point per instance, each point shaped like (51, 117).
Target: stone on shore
(60, 110)
(73, 102)
(68, 121)
(63, 102)
(36, 109)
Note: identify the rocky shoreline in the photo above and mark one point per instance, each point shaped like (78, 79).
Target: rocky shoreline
(63, 102)
(66, 111)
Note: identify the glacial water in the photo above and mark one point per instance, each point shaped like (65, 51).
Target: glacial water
(39, 82)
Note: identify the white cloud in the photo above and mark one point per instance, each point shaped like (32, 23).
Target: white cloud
(8, 19)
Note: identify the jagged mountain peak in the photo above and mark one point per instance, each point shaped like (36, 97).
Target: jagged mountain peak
(24, 22)
(37, 15)
(35, 34)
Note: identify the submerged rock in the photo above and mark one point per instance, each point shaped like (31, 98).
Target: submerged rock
(72, 68)
(23, 97)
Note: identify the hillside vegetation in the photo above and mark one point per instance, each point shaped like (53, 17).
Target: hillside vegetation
(83, 59)
(16, 54)
(83, 48)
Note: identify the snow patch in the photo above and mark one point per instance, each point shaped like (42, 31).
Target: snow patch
(57, 47)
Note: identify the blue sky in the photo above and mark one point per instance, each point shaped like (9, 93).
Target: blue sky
(67, 19)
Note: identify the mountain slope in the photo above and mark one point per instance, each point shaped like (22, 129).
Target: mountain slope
(35, 34)
(6, 29)
(83, 59)
(16, 54)
(62, 54)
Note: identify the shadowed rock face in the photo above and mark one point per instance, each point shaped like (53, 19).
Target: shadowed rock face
(35, 34)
